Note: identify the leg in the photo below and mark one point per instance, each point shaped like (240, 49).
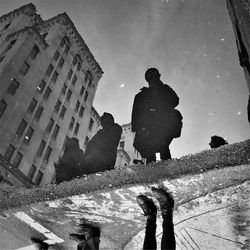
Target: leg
(167, 205)
(165, 151)
(150, 210)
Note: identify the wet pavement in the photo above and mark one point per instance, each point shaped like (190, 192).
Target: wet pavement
(212, 212)
(220, 220)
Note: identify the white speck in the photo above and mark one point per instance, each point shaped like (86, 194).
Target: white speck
(222, 39)
(122, 85)
(239, 113)
(210, 113)
(186, 52)
(217, 76)
(204, 54)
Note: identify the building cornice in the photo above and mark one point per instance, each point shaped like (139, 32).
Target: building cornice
(30, 29)
(28, 9)
(65, 20)
(94, 112)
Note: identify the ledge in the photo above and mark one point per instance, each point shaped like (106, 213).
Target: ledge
(226, 156)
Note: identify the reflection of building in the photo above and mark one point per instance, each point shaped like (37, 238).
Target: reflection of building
(48, 82)
(126, 143)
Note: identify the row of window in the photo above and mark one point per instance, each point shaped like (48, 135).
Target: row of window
(17, 160)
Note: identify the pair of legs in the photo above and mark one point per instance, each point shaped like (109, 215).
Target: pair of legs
(150, 210)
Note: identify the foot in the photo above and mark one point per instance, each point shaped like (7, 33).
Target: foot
(85, 232)
(39, 244)
(165, 199)
(147, 205)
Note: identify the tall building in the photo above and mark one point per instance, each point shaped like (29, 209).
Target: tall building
(48, 79)
(126, 152)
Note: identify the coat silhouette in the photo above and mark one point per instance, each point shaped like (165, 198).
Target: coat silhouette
(70, 164)
(154, 118)
(101, 150)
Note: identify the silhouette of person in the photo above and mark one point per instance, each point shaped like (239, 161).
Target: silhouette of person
(101, 150)
(149, 209)
(69, 165)
(154, 118)
(217, 141)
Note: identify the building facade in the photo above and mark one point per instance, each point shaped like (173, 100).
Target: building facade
(48, 79)
(126, 144)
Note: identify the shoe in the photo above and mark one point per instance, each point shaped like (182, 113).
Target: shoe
(85, 232)
(39, 244)
(147, 205)
(165, 199)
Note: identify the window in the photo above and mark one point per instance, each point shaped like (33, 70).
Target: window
(57, 106)
(69, 95)
(88, 78)
(47, 93)
(24, 68)
(74, 61)
(28, 135)
(78, 66)
(49, 70)
(6, 26)
(10, 151)
(121, 145)
(39, 178)
(91, 123)
(1, 58)
(86, 141)
(61, 62)
(76, 128)
(32, 105)
(86, 96)
(66, 49)
(72, 122)
(50, 125)
(70, 74)
(47, 154)
(62, 43)
(77, 106)
(62, 113)
(55, 132)
(56, 55)
(41, 86)
(38, 113)
(34, 52)
(64, 88)
(3, 106)
(41, 148)
(17, 159)
(13, 87)
(74, 80)
(21, 128)
(54, 77)
(32, 172)
(10, 45)
(82, 90)
(81, 111)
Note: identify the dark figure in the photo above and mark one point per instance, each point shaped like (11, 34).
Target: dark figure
(154, 118)
(70, 165)
(135, 161)
(101, 150)
(217, 141)
(87, 237)
(150, 210)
